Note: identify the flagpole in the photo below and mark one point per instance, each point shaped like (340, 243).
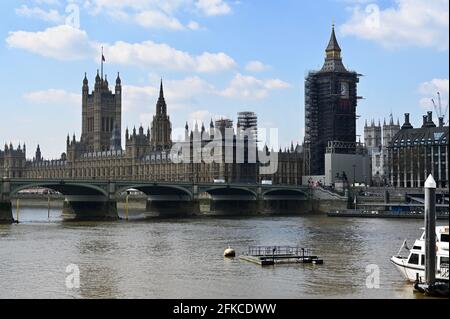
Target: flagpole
(102, 63)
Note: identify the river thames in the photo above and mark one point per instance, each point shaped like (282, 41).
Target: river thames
(183, 258)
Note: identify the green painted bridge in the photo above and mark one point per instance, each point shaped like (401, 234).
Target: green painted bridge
(97, 199)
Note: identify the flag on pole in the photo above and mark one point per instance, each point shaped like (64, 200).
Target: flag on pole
(103, 56)
(103, 60)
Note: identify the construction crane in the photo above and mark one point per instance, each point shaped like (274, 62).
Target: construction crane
(438, 108)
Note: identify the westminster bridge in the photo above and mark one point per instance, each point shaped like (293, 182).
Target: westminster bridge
(97, 199)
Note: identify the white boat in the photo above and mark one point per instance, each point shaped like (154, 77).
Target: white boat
(413, 266)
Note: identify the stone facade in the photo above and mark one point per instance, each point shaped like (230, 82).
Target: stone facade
(377, 139)
(12, 161)
(150, 155)
(415, 153)
(101, 113)
(290, 167)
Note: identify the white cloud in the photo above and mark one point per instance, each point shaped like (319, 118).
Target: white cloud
(151, 14)
(214, 62)
(55, 97)
(409, 23)
(207, 7)
(434, 86)
(152, 19)
(193, 25)
(202, 116)
(168, 6)
(61, 42)
(157, 20)
(249, 87)
(429, 91)
(156, 13)
(186, 89)
(151, 54)
(68, 43)
(276, 84)
(48, 2)
(213, 7)
(51, 15)
(256, 66)
(179, 94)
(138, 98)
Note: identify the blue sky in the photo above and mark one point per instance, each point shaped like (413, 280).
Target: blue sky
(217, 57)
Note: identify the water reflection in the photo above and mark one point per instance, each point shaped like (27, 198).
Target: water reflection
(183, 258)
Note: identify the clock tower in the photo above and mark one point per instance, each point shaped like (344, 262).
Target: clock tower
(330, 110)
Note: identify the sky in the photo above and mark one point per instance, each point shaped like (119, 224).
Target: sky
(216, 57)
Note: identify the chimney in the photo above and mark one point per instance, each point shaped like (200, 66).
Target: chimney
(407, 124)
(441, 122)
(430, 117)
(425, 120)
(429, 120)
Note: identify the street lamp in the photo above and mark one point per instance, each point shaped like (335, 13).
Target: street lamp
(354, 175)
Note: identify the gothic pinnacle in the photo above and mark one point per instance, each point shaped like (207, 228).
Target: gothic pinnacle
(161, 90)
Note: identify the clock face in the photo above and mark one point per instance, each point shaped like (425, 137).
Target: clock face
(344, 89)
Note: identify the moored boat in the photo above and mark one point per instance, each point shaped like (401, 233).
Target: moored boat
(412, 267)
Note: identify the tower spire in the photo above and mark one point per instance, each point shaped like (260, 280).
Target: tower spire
(161, 90)
(333, 45)
(333, 60)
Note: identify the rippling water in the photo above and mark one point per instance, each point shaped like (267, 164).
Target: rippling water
(183, 258)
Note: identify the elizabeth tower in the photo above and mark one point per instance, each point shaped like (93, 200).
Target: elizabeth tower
(330, 110)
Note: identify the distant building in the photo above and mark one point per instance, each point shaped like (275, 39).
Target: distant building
(377, 139)
(161, 131)
(330, 110)
(101, 113)
(373, 137)
(12, 161)
(355, 165)
(415, 153)
(149, 155)
(330, 147)
(290, 167)
(248, 123)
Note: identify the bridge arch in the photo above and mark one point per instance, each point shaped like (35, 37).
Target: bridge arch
(158, 190)
(64, 188)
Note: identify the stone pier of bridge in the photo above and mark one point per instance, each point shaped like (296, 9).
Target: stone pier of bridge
(6, 216)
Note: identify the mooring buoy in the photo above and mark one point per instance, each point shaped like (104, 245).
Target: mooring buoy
(229, 253)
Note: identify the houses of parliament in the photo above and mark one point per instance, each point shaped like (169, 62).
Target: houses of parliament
(98, 153)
